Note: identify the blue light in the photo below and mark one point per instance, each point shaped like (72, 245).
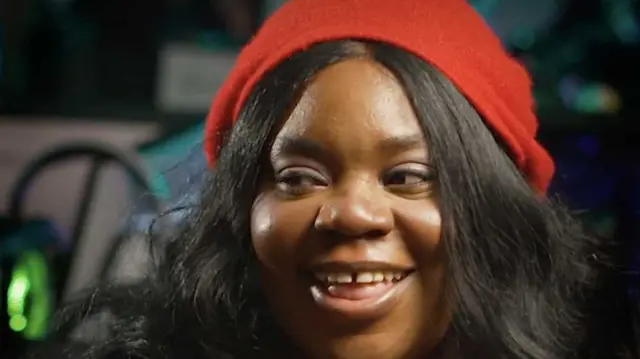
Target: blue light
(589, 145)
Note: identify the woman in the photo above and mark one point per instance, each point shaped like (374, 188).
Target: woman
(378, 193)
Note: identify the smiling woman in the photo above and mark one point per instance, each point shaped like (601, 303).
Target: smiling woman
(347, 228)
(376, 192)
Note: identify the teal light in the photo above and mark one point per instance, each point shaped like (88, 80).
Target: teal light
(170, 153)
(623, 21)
(484, 7)
(597, 98)
(522, 39)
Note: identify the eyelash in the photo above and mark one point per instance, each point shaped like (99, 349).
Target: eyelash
(424, 175)
(285, 177)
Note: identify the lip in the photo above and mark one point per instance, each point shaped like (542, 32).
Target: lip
(378, 303)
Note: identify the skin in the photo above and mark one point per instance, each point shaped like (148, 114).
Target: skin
(351, 181)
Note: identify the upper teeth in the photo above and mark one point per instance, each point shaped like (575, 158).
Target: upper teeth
(360, 277)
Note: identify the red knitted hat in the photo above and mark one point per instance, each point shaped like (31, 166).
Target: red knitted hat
(448, 34)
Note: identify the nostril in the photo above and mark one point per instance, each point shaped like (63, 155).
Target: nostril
(355, 227)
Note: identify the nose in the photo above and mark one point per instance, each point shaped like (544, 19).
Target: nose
(357, 211)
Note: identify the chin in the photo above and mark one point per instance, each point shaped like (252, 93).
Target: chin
(408, 325)
(333, 338)
(370, 346)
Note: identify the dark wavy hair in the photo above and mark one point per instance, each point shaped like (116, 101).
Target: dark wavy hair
(526, 280)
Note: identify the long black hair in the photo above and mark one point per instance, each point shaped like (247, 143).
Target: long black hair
(525, 281)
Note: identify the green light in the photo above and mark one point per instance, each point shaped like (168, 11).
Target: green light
(17, 292)
(18, 323)
(29, 280)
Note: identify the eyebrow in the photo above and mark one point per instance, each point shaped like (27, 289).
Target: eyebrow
(402, 143)
(310, 148)
(299, 146)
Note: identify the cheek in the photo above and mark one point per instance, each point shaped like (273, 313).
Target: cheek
(422, 224)
(278, 227)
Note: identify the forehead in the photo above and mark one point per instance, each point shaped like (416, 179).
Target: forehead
(354, 103)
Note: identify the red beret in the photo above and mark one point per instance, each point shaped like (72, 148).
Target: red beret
(448, 34)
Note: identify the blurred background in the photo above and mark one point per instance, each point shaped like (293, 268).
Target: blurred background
(102, 104)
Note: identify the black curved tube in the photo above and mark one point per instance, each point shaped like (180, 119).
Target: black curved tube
(100, 155)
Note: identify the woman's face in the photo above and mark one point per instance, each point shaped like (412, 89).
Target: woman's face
(347, 230)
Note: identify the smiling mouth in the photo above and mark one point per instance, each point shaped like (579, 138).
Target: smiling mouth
(358, 290)
(358, 285)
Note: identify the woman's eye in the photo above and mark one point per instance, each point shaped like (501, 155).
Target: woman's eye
(298, 182)
(409, 178)
(400, 179)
